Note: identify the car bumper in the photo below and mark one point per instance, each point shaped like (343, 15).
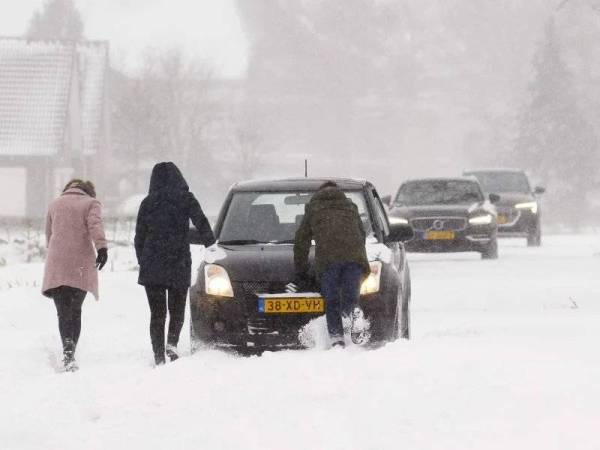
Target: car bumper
(237, 323)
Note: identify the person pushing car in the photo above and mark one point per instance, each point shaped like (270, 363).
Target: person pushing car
(332, 220)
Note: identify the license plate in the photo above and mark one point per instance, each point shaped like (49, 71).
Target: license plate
(439, 235)
(291, 305)
(502, 219)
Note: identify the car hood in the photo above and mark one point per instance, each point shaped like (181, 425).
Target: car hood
(267, 262)
(272, 262)
(410, 212)
(512, 198)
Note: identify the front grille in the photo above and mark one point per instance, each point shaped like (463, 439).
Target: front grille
(248, 288)
(252, 288)
(439, 223)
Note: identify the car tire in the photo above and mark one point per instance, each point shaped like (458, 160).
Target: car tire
(534, 238)
(491, 251)
(199, 338)
(405, 314)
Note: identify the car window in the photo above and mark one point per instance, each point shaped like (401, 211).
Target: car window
(380, 214)
(499, 182)
(439, 192)
(275, 216)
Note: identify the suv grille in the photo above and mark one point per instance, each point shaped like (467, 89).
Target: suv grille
(439, 223)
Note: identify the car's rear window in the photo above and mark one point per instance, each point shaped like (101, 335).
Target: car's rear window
(499, 182)
(439, 192)
(274, 216)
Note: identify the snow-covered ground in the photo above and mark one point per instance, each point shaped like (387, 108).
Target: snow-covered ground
(505, 355)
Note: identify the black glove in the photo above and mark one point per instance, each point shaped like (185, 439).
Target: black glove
(101, 258)
(301, 283)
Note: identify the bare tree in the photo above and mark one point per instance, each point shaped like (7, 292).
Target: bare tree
(59, 19)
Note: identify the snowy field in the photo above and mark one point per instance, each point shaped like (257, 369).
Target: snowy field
(505, 355)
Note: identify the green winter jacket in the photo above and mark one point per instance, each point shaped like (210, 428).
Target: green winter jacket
(332, 220)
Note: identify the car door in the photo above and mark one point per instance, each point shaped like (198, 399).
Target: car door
(382, 223)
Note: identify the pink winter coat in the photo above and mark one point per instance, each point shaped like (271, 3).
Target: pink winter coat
(73, 228)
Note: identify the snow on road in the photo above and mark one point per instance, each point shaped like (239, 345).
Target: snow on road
(505, 355)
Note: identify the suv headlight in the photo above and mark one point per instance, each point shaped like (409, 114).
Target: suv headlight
(532, 206)
(216, 281)
(481, 220)
(372, 283)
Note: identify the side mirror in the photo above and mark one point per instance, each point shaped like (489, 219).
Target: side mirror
(387, 200)
(539, 190)
(400, 233)
(494, 198)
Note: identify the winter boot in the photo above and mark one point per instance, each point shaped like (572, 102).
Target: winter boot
(359, 330)
(69, 356)
(69, 362)
(172, 353)
(337, 342)
(159, 359)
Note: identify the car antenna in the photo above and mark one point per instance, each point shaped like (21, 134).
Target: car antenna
(306, 168)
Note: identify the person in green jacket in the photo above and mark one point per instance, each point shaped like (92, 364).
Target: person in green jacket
(333, 222)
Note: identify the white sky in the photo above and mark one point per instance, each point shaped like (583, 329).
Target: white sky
(209, 29)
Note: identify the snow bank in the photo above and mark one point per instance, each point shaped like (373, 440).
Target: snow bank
(501, 358)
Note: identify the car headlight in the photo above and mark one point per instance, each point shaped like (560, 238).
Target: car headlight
(481, 220)
(398, 221)
(216, 281)
(372, 282)
(532, 206)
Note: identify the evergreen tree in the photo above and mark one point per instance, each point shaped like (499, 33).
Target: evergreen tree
(59, 19)
(556, 141)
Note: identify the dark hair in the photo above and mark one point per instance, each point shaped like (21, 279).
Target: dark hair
(328, 184)
(85, 185)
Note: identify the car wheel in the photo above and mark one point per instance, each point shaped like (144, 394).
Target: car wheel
(491, 251)
(534, 238)
(199, 338)
(405, 316)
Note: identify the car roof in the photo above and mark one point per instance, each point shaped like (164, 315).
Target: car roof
(495, 170)
(419, 180)
(297, 184)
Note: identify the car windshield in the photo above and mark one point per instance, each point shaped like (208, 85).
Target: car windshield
(273, 217)
(499, 182)
(439, 192)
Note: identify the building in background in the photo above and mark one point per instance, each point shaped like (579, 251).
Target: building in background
(54, 119)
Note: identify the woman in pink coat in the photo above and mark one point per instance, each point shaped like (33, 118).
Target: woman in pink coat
(74, 231)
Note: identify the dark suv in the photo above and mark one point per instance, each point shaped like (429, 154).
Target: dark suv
(238, 298)
(519, 212)
(448, 215)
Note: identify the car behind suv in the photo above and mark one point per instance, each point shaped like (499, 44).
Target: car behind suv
(519, 212)
(239, 300)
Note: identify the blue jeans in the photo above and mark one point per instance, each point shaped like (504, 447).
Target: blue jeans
(340, 285)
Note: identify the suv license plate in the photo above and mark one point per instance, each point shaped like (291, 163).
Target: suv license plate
(439, 235)
(291, 305)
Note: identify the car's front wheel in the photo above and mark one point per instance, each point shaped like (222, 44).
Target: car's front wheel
(534, 238)
(491, 250)
(200, 337)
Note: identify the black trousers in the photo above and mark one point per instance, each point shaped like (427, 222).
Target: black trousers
(158, 301)
(68, 301)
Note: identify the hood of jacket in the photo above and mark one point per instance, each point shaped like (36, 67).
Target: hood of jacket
(329, 194)
(166, 175)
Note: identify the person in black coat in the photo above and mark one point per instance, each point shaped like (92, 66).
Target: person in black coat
(163, 252)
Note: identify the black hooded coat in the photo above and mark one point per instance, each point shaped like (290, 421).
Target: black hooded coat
(161, 233)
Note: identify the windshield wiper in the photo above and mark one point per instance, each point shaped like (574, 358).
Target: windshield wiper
(241, 242)
(283, 241)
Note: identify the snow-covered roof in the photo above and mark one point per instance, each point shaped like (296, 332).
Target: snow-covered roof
(35, 81)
